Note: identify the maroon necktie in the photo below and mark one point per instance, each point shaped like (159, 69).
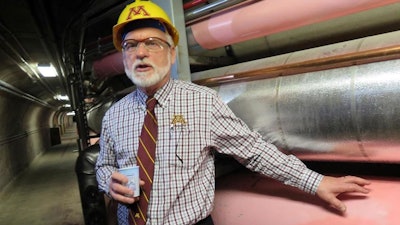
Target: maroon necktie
(145, 159)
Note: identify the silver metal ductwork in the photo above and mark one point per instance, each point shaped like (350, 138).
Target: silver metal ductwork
(349, 113)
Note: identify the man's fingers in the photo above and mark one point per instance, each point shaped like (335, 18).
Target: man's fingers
(355, 184)
(334, 202)
(331, 187)
(339, 206)
(122, 198)
(122, 194)
(356, 180)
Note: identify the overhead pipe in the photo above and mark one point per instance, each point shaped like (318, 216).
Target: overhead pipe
(215, 6)
(108, 66)
(306, 66)
(193, 3)
(16, 92)
(267, 17)
(360, 51)
(342, 114)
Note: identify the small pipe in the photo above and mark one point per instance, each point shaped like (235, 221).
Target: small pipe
(368, 56)
(193, 3)
(209, 8)
(16, 92)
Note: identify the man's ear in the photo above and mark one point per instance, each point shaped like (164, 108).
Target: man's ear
(173, 55)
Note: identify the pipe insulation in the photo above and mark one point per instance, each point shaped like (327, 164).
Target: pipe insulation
(359, 51)
(349, 113)
(263, 18)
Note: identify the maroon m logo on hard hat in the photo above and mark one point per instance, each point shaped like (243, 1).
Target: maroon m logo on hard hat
(134, 11)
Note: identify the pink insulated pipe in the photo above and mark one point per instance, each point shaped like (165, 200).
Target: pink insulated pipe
(109, 66)
(272, 16)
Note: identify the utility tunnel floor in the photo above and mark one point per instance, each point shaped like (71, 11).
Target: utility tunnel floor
(47, 193)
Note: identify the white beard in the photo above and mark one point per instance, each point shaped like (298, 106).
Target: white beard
(147, 79)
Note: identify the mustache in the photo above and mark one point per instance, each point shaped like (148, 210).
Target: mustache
(140, 62)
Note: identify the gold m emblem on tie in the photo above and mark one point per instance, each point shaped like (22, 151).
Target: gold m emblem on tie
(178, 119)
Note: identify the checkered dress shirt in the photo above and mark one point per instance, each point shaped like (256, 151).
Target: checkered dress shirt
(192, 123)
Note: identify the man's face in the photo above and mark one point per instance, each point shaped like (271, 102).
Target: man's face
(148, 69)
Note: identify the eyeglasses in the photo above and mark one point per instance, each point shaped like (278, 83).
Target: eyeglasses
(152, 44)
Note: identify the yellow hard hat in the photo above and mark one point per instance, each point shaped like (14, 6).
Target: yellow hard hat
(139, 10)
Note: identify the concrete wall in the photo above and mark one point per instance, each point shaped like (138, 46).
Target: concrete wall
(24, 134)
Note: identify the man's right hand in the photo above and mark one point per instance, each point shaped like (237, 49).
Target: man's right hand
(119, 191)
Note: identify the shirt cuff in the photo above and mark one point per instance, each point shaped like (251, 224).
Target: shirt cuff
(311, 181)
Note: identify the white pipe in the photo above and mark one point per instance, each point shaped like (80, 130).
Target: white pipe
(272, 16)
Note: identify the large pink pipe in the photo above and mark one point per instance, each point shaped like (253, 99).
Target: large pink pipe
(267, 17)
(108, 66)
(245, 198)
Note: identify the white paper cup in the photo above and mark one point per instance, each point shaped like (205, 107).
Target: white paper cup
(133, 175)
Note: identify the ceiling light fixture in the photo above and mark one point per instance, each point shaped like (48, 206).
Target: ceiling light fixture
(72, 113)
(47, 70)
(61, 97)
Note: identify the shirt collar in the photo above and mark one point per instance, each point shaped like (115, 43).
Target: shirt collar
(162, 95)
(141, 96)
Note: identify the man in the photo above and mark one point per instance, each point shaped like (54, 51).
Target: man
(192, 123)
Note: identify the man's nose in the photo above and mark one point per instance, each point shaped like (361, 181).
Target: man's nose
(141, 50)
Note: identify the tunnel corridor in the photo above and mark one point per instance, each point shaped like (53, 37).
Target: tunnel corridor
(47, 191)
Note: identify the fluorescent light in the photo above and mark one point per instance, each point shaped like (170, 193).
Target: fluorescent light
(47, 70)
(72, 113)
(61, 97)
